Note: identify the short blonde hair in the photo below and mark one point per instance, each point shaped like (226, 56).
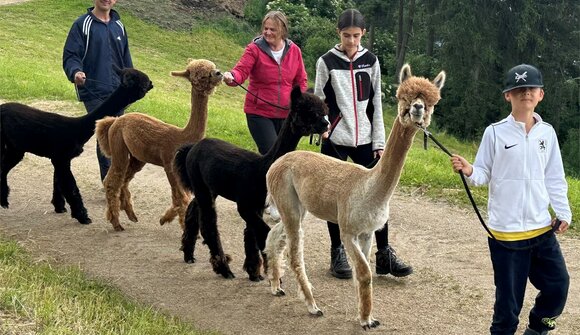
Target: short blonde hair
(279, 20)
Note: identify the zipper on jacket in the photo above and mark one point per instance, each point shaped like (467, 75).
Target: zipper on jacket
(352, 79)
(527, 182)
(279, 86)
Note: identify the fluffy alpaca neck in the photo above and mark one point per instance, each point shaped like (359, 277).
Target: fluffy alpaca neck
(388, 171)
(195, 128)
(287, 141)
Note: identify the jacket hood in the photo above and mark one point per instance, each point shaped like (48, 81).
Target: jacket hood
(340, 53)
(265, 47)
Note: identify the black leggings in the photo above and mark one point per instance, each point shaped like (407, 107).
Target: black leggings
(362, 155)
(264, 131)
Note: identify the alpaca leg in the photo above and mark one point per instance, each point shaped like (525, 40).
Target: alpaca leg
(190, 232)
(274, 257)
(296, 249)
(362, 280)
(211, 237)
(69, 188)
(135, 166)
(253, 243)
(9, 159)
(58, 200)
(113, 183)
(176, 199)
(365, 241)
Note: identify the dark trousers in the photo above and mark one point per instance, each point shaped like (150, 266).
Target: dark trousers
(104, 162)
(264, 131)
(362, 155)
(544, 266)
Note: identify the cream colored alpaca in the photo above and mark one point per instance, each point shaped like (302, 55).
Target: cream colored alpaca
(135, 139)
(353, 196)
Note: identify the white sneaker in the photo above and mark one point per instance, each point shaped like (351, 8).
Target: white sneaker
(274, 214)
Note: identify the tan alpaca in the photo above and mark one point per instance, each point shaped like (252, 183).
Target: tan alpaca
(353, 196)
(135, 139)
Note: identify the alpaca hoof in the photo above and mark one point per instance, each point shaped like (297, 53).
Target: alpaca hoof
(279, 292)
(228, 275)
(60, 210)
(257, 278)
(132, 218)
(316, 313)
(189, 259)
(86, 221)
(83, 219)
(118, 228)
(371, 324)
(4, 205)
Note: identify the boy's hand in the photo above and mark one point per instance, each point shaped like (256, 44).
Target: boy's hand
(460, 164)
(562, 228)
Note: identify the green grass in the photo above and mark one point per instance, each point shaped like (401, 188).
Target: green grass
(60, 300)
(32, 36)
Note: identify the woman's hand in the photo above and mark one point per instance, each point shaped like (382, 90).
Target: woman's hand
(228, 77)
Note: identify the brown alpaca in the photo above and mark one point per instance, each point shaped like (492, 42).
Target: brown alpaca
(135, 139)
(353, 196)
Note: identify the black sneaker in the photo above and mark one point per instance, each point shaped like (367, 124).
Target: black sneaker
(530, 331)
(387, 262)
(339, 267)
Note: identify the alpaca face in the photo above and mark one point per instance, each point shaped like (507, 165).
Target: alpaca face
(417, 97)
(137, 82)
(203, 75)
(308, 113)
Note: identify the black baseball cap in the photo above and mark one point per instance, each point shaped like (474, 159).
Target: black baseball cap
(523, 75)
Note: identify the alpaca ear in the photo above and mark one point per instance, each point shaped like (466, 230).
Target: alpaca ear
(439, 81)
(405, 73)
(296, 93)
(184, 73)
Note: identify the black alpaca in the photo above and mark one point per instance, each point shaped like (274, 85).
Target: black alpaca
(60, 138)
(214, 168)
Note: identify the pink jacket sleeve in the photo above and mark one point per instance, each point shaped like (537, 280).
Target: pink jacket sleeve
(242, 70)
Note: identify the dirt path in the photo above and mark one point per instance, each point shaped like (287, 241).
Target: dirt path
(451, 291)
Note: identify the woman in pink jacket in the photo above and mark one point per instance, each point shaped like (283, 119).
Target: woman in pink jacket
(274, 65)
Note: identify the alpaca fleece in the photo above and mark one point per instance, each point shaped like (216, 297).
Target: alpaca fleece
(214, 168)
(354, 197)
(60, 138)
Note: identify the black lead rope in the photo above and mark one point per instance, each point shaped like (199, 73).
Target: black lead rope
(101, 99)
(474, 205)
(257, 97)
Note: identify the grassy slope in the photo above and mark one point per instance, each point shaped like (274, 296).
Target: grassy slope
(157, 51)
(31, 40)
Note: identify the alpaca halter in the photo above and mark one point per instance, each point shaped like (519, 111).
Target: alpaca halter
(468, 191)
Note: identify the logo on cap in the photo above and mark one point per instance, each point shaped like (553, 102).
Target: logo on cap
(522, 76)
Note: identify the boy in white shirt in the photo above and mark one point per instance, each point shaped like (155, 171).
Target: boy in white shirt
(519, 157)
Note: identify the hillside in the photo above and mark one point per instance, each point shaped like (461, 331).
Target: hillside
(182, 14)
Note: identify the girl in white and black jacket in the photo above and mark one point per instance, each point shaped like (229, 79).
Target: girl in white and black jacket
(348, 79)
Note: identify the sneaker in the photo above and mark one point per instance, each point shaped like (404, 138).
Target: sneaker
(387, 262)
(274, 214)
(530, 331)
(339, 267)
